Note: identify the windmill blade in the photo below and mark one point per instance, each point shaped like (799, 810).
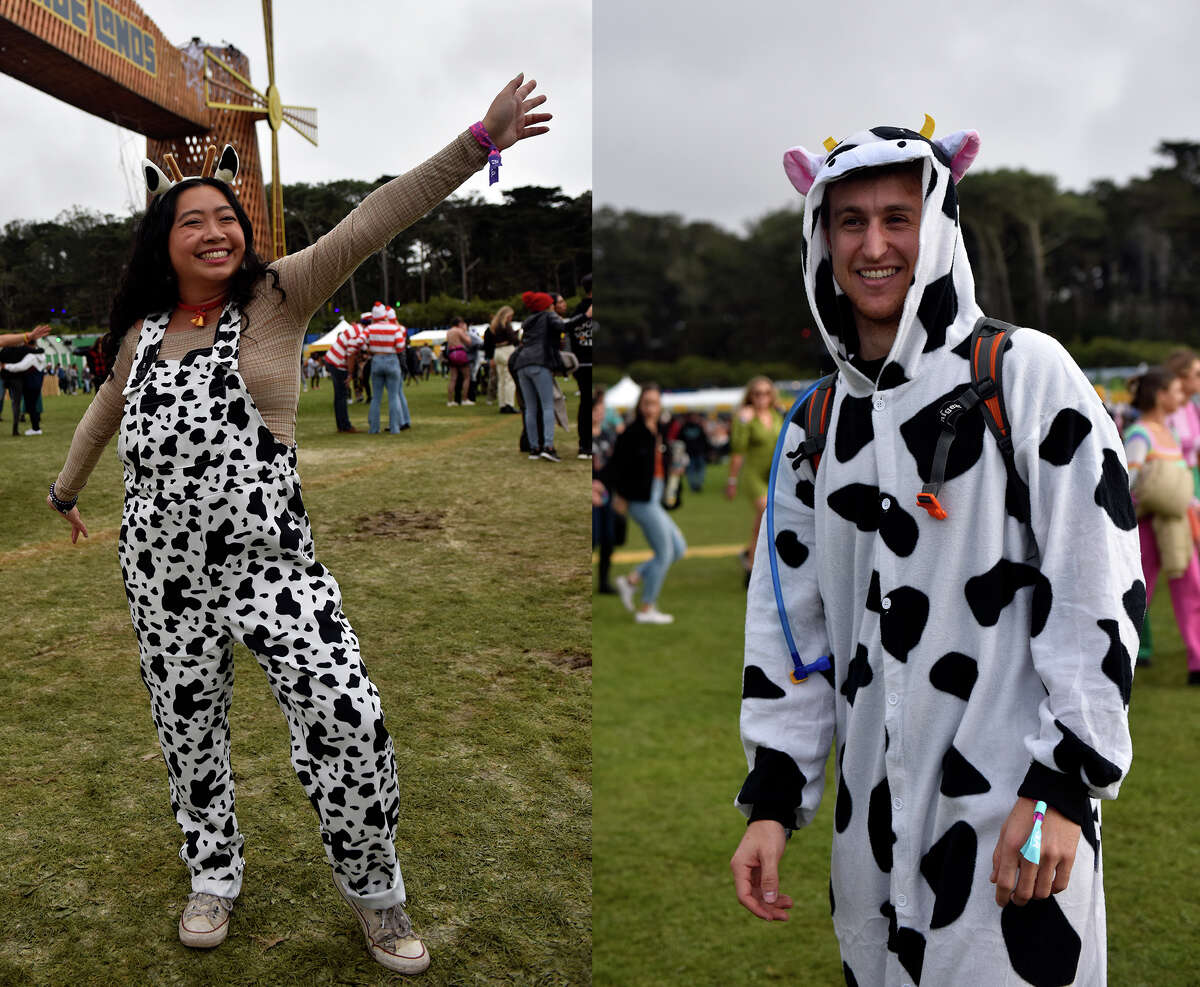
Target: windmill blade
(270, 42)
(234, 73)
(303, 120)
(279, 245)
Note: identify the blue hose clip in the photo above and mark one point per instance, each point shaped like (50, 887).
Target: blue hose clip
(800, 671)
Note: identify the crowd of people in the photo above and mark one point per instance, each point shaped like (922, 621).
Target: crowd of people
(511, 367)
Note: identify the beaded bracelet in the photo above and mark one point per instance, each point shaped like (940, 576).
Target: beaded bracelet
(62, 506)
(479, 132)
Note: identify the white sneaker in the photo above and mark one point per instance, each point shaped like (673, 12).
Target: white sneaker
(451, 404)
(653, 616)
(625, 590)
(470, 403)
(205, 920)
(33, 431)
(390, 937)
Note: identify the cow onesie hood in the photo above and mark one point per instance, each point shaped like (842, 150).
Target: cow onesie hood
(974, 658)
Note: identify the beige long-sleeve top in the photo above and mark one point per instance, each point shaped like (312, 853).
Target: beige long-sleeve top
(273, 328)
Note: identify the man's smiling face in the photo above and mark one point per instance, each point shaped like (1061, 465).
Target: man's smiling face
(874, 234)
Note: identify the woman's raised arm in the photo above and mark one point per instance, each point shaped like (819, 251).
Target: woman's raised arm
(311, 275)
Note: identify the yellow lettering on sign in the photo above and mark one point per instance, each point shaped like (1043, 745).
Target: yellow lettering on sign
(74, 12)
(122, 37)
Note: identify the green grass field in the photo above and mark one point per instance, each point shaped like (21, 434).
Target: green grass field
(463, 567)
(668, 763)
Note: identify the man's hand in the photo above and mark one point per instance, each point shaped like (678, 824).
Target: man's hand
(755, 867)
(1018, 880)
(37, 332)
(508, 119)
(71, 517)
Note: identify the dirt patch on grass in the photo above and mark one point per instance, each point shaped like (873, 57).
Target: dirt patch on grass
(407, 525)
(568, 659)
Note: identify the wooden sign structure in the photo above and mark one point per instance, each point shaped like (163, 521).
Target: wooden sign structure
(109, 58)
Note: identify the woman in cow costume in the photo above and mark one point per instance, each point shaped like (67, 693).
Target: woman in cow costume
(978, 642)
(215, 545)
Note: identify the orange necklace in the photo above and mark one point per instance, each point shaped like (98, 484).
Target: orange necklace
(202, 308)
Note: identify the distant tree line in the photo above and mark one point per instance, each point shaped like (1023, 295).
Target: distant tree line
(466, 254)
(1109, 267)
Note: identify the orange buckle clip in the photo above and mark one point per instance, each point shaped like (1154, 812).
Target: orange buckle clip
(930, 503)
(796, 681)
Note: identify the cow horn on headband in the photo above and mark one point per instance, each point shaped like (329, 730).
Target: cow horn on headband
(226, 169)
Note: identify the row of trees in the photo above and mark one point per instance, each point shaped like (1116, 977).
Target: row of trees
(1119, 261)
(538, 239)
(65, 270)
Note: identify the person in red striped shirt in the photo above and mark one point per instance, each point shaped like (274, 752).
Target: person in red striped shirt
(342, 358)
(386, 342)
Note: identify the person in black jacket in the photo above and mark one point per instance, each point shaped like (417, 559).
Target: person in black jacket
(636, 473)
(534, 365)
(580, 341)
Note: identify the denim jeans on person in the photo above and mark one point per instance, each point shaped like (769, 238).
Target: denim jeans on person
(385, 372)
(696, 468)
(664, 538)
(537, 384)
(341, 391)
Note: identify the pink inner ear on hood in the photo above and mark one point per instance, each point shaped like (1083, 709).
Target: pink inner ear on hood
(802, 168)
(961, 148)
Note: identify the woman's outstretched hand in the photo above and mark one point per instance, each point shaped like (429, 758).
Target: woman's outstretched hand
(509, 119)
(71, 517)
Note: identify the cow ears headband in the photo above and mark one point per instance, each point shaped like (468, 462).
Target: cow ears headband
(960, 147)
(225, 170)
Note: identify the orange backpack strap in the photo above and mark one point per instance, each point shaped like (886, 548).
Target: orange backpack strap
(814, 414)
(988, 340)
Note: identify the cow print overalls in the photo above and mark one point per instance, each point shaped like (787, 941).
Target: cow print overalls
(215, 547)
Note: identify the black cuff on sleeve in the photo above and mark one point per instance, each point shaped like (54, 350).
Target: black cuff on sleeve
(1062, 792)
(780, 812)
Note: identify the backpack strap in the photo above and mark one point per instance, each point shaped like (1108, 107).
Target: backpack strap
(815, 411)
(988, 340)
(986, 348)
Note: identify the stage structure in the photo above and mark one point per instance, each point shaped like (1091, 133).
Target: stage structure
(110, 59)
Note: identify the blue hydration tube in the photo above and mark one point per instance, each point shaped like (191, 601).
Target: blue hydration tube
(802, 671)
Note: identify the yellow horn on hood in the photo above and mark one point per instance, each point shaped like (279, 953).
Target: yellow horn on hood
(830, 143)
(927, 127)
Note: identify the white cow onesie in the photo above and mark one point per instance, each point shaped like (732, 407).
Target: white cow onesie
(975, 658)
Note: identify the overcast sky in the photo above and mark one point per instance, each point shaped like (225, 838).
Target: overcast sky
(696, 102)
(392, 82)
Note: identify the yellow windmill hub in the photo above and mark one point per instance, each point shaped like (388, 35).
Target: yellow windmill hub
(274, 108)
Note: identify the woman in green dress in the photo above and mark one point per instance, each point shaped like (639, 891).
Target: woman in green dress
(753, 434)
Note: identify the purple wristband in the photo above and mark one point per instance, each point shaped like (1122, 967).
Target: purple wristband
(479, 132)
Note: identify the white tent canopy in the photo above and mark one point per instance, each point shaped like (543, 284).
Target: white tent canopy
(326, 341)
(624, 393)
(428, 337)
(706, 400)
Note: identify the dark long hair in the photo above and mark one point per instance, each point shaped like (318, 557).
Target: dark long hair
(148, 283)
(1144, 389)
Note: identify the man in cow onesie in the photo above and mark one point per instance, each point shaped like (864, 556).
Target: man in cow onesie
(981, 661)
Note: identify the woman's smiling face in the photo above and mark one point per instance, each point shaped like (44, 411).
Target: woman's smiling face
(206, 244)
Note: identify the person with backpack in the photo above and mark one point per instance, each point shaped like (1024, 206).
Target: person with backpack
(959, 597)
(535, 364)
